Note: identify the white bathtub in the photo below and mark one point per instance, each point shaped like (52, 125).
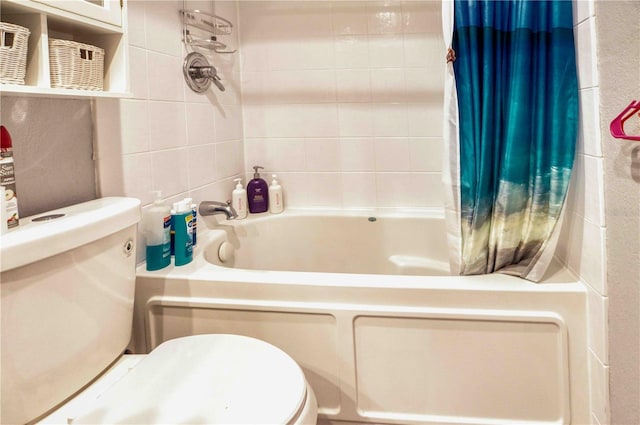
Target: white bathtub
(382, 335)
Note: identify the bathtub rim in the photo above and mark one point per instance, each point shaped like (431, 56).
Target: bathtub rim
(558, 278)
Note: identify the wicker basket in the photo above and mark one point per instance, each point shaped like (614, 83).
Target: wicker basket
(13, 53)
(76, 65)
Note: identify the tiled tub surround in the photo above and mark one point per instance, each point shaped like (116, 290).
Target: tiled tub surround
(343, 100)
(166, 137)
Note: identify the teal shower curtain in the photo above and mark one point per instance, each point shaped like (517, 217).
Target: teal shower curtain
(511, 126)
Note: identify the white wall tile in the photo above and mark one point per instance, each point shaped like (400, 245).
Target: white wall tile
(200, 121)
(352, 51)
(308, 120)
(589, 190)
(586, 253)
(169, 171)
(387, 85)
(322, 154)
(167, 128)
(254, 55)
(396, 190)
(357, 154)
(589, 140)
(165, 77)
(323, 190)
(202, 162)
(425, 119)
(392, 154)
(229, 159)
(386, 51)
(422, 17)
(349, 17)
(306, 53)
(390, 119)
(134, 121)
(428, 189)
(296, 189)
(228, 122)
(599, 389)
(425, 154)
(598, 308)
(353, 85)
(163, 27)
(275, 154)
(424, 51)
(136, 28)
(138, 73)
(384, 17)
(358, 190)
(136, 172)
(355, 120)
(296, 86)
(586, 53)
(582, 9)
(209, 97)
(425, 86)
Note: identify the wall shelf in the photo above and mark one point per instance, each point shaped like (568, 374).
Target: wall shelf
(68, 20)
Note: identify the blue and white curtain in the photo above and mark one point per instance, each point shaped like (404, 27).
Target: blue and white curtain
(511, 117)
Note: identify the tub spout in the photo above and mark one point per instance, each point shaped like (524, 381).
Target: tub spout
(214, 207)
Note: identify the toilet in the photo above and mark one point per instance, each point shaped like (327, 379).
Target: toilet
(68, 280)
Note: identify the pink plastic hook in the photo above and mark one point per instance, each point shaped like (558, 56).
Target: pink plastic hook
(617, 125)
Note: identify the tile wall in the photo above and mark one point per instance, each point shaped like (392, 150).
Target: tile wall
(582, 242)
(343, 100)
(167, 137)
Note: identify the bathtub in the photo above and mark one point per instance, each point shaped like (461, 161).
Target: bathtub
(364, 303)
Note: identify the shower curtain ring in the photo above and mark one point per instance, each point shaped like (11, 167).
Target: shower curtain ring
(451, 55)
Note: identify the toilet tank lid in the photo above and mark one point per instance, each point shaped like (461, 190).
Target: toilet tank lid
(82, 223)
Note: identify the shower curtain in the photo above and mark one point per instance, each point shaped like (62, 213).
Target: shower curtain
(511, 119)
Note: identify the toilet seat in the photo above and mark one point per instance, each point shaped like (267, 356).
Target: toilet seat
(205, 379)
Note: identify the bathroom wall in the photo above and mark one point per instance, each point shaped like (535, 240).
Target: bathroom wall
(52, 150)
(338, 105)
(619, 67)
(167, 137)
(582, 242)
(343, 100)
(601, 236)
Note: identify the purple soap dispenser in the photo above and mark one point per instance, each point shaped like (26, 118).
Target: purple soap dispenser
(257, 193)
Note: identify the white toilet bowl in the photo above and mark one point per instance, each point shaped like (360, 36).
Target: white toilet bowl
(202, 379)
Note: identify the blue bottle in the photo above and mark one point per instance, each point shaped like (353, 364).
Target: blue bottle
(181, 226)
(257, 193)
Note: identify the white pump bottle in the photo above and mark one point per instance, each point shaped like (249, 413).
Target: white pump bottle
(239, 199)
(276, 202)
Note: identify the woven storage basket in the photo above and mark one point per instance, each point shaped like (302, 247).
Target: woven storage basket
(13, 53)
(76, 65)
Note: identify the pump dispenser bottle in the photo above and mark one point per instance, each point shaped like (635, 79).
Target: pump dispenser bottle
(258, 193)
(276, 203)
(239, 199)
(156, 224)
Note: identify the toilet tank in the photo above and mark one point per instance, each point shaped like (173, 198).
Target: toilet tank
(66, 289)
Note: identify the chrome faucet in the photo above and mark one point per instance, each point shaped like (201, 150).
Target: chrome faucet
(214, 207)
